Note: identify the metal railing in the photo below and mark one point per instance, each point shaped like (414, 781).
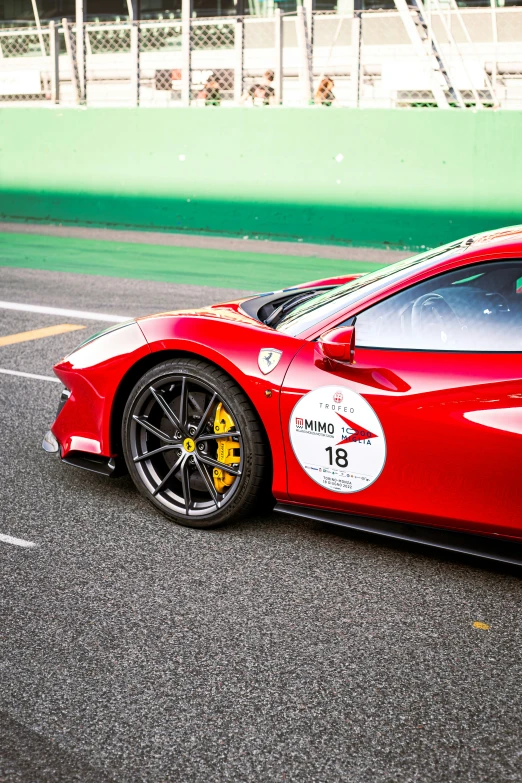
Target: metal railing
(362, 59)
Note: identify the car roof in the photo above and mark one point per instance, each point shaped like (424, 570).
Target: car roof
(512, 235)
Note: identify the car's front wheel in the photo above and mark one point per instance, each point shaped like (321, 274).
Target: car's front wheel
(193, 444)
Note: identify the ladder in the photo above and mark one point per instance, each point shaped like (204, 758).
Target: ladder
(425, 43)
(449, 35)
(489, 84)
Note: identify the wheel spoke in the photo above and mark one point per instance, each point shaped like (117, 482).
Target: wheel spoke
(169, 474)
(230, 434)
(205, 416)
(185, 483)
(220, 465)
(210, 486)
(183, 408)
(157, 451)
(152, 429)
(169, 413)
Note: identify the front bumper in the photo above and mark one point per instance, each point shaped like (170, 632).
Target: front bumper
(103, 466)
(95, 463)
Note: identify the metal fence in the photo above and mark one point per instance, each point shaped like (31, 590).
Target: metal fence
(451, 57)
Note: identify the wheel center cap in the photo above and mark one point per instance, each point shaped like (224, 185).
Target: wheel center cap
(189, 445)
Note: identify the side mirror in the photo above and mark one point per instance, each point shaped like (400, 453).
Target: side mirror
(338, 344)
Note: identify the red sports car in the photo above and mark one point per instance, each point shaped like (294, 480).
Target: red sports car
(368, 401)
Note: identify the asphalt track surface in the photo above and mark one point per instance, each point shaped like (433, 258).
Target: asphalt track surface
(274, 649)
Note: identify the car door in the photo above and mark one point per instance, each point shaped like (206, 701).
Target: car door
(426, 425)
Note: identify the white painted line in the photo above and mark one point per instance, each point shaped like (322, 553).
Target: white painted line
(16, 541)
(28, 308)
(30, 375)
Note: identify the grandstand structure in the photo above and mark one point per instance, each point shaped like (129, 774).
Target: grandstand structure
(410, 55)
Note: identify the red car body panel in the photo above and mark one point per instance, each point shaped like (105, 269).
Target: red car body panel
(93, 374)
(438, 460)
(452, 460)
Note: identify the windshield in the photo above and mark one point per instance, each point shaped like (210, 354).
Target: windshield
(315, 310)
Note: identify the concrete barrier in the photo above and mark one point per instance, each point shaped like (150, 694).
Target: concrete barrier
(383, 178)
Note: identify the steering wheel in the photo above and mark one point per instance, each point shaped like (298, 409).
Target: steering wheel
(434, 319)
(499, 302)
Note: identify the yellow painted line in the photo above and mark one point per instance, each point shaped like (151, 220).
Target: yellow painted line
(482, 626)
(37, 334)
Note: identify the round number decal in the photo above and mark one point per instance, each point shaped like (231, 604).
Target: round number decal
(338, 439)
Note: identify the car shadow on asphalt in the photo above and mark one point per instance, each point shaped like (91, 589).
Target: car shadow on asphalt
(440, 555)
(268, 522)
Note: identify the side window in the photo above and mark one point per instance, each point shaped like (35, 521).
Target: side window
(474, 308)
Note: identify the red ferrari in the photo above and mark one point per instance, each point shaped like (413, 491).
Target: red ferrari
(368, 401)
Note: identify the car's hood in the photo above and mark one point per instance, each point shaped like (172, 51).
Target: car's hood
(230, 311)
(246, 309)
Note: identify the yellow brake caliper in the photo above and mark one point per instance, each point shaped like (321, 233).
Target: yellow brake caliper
(228, 449)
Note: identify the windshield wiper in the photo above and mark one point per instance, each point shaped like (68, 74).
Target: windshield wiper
(277, 314)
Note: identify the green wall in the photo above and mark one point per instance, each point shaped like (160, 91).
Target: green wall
(396, 178)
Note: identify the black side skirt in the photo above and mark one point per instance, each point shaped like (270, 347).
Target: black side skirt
(487, 547)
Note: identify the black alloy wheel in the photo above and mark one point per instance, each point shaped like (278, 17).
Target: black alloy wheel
(193, 444)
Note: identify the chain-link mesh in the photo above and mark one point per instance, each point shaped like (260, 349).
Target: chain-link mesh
(213, 63)
(24, 65)
(333, 60)
(211, 35)
(107, 38)
(109, 63)
(73, 66)
(24, 42)
(160, 37)
(467, 57)
(260, 62)
(160, 62)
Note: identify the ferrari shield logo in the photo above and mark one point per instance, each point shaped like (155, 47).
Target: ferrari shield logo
(268, 359)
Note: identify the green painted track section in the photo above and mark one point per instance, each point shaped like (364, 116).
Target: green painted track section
(215, 268)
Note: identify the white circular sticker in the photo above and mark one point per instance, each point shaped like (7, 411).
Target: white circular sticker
(338, 439)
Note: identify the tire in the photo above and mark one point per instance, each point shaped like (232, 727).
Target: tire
(172, 450)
